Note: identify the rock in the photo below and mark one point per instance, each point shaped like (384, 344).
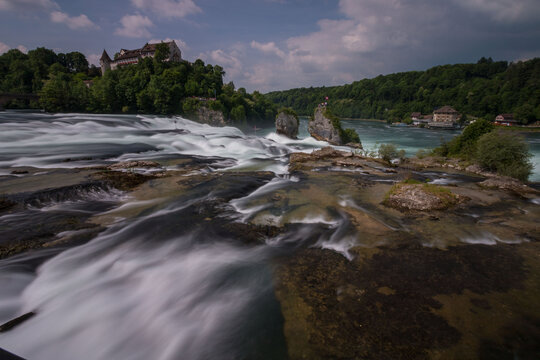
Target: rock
(420, 197)
(328, 152)
(210, 117)
(134, 164)
(322, 128)
(124, 180)
(507, 183)
(354, 145)
(287, 124)
(17, 321)
(6, 204)
(19, 172)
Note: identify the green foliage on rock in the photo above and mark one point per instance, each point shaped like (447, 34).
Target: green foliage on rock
(289, 111)
(388, 152)
(504, 153)
(347, 135)
(485, 89)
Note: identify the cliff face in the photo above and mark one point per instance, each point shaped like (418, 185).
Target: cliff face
(210, 117)
(321, 128)
(287, 124)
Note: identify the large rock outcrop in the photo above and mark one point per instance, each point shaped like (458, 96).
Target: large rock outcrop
(211, 117)
(287, 124)
(322, 128)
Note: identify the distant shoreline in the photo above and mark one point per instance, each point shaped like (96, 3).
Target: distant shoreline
(356, 119)
(520, 128)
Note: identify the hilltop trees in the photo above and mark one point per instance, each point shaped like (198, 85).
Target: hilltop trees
(485, 89)
(152, 86)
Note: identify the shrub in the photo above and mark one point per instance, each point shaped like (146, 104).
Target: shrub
(389, 152)
(464, 145)
(422, 153)
(504, 153)
(350, 136)
(289, 111)
(347, 135)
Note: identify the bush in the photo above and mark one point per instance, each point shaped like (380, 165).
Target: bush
(350, 136)
(389, 152)
(504, 153)
(422, 153)
(464, 145)
(288, 111)
(347, 135)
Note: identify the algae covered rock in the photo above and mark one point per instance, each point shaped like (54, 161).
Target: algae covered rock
(287, 123)
(507, 183)
(421, 197)
(326, 127)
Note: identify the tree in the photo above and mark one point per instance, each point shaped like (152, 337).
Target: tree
(162, 52)
(464, 145)
(504, 153)
(76, 62)
(238, 113)
(388, 152)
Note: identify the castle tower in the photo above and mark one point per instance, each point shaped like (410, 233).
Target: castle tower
(105, 62)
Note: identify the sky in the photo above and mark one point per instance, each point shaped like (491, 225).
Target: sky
(270, 45)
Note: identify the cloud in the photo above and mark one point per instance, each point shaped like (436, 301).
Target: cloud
(268, 48)
(229, 60)
(27, 5)
(383, 36)
(134, 26)
(93, 59)
(74, 22)
(168, 8)
(5, 48)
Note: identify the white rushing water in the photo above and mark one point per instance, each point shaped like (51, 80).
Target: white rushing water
(150, 287)
(74, 140)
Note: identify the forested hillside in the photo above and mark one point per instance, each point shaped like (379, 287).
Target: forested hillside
(151, 86)
(484, 89)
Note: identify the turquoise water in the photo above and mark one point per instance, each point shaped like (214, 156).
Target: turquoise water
(413, 139)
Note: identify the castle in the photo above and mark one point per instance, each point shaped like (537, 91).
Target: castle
(127, 57)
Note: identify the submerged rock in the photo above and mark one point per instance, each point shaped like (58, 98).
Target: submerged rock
(287, 123)
(6, 204)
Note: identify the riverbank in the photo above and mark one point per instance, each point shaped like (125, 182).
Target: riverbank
(532, 129)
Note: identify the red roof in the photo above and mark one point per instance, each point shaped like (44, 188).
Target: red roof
(445, 110)
(506, 116)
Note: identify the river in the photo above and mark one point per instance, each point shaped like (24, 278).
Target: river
(162, 275)
(412, 139)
